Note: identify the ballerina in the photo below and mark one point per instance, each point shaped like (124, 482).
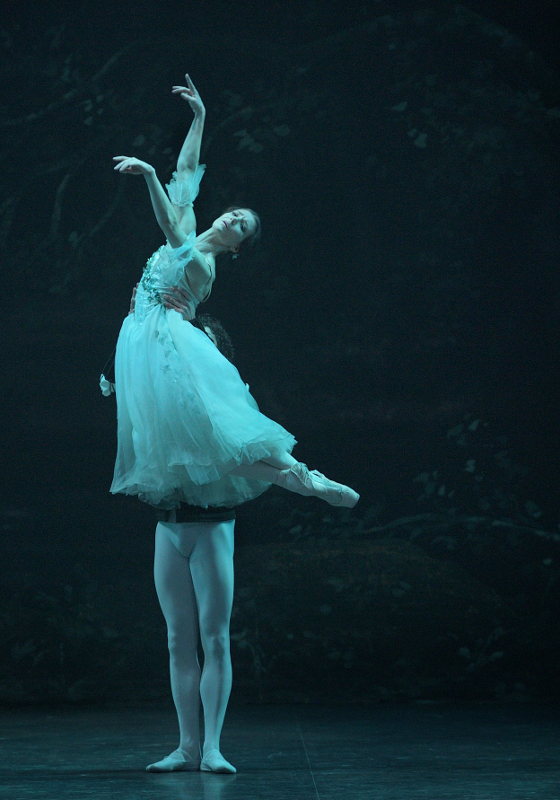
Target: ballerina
(188, 429)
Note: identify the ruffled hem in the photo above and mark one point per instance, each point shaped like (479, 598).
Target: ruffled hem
(184, 193)
(202, 484)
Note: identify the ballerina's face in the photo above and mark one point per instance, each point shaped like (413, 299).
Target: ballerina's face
(235, 226)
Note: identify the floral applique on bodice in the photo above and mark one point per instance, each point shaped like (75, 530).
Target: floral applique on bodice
(165, 268)
(148, 282)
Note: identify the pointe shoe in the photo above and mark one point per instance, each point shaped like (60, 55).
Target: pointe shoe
(214, 761)
(175, 762)
(299, 479)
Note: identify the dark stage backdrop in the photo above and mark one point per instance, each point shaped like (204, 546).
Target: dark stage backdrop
(400, 318)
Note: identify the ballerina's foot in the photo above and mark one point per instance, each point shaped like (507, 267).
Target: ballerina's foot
(175, 762)
(299, 479)
(214, 761)
(337, 494)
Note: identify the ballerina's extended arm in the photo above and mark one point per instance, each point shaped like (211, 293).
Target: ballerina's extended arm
(165, 213)
(199, 271)
(190, 152)
(187, 162)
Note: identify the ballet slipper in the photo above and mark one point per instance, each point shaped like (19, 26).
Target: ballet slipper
(299, 479)
(214, 761)
(175, 762)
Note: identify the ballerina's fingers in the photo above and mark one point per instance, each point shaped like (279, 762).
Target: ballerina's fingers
(125, 162)
(192, 87)
(132, 165)
(190, 94)
(183, 92)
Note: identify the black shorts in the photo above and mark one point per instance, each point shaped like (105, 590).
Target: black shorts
(187, 513)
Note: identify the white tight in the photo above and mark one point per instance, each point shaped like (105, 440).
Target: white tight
(267, 470)
(193, 571)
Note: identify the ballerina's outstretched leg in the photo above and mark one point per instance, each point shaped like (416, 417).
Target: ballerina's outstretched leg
(282, 469)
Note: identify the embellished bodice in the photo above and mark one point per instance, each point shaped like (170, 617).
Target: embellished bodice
(165, 268)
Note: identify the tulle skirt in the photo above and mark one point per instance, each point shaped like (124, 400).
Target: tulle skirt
(185, 417)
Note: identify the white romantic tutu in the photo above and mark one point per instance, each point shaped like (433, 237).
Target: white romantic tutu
(185, 417)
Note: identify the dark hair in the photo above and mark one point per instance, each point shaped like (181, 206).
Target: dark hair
(251, 240)
(224, 343)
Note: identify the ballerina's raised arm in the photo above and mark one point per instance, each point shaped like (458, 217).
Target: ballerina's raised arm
(175, 214)
(190, 151)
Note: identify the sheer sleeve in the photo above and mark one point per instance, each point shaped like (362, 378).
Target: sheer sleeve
(184, 192)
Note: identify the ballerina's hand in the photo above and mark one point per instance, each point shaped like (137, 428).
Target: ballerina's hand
(190, 94)
(133, 166)
(177, 301)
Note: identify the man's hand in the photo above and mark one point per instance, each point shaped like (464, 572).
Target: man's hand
(178, 301)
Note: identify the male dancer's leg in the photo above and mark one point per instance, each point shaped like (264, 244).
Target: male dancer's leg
(176, 596)
(211, 565)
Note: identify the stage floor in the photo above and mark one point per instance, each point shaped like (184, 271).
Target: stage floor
(383, 752)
